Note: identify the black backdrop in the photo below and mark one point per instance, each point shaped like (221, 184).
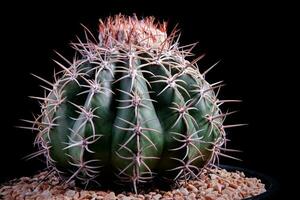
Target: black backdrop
(246, 38)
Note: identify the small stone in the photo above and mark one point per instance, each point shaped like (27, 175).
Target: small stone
(157, 196)
(168, 194)
(152, 193)
(84, 194)
(148, 196)
(192, 196)
(141, 197)
(95, 196)
(125, 198)
(209, 190)
(209, 197)
(25, 179)
(213, 176)
(178, 196)
(233, 185)
(6, 191)
(46, 194)
(54, 182)
(101, 193)
(110, 196)
(76, 196)
(192, 188)
(70, 193)
(242, 174)
(218, 187)
(121, 195)
(184, 191)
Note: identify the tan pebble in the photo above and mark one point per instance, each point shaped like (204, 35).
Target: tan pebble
(125, 198)
(46, 194)
(6, 192)
(94, 196)
(70, 193)
(176, 197)
(84, 194)
(141, 197)
(54, 182)
(34, 179)
(233, 185)
(168, 194)
(250, 184)
(204, 186)
(198, 184)
(157, 197)
(110, 196)
(210, 197)
(15, 194)
(191, 196)
(77, 195)
(6, 187)
(167, 198)
(121, 195)
(25, 179)
(242, 174)
(148, 196)
(235, 175)
(152, 193)
(228, 190)
(59, 197)
(202, 176)
(209, 190)
(218, 187)
(213, 176)
(192, 188)
(101, 193)
(184, 191)
(99, 198)
(162, 192)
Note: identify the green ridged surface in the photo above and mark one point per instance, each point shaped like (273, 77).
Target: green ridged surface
(130, 113)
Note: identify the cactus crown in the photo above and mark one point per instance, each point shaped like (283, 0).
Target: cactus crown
(132, 108)
(122, 30)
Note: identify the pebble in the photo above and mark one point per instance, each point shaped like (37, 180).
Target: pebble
(124, 198)
(184, 191)
(192, 196)
(141, 197)
(70, 193)
(110, 196)
(192, 188)
(218, 187)
(157, 197)
(168, 194)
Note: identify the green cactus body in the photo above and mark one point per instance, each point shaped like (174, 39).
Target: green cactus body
(132, 107)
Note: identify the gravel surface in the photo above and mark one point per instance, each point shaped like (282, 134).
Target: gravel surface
(213, 184)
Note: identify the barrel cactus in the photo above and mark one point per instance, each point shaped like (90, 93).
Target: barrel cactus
(130, 107)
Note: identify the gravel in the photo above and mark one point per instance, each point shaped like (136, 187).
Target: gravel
(213, 184)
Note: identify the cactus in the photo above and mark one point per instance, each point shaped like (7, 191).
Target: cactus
(130, 108)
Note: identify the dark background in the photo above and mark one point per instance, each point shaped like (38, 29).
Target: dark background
(249, 39)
